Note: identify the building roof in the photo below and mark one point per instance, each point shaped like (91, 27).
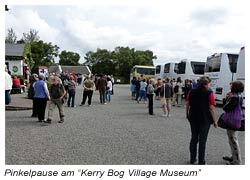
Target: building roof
(14, 49)
(70, 69)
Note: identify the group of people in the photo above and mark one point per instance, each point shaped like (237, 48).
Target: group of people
(200, 103)
(59, 89)
(200, 109)
(173, 91)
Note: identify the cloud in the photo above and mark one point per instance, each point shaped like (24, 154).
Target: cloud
(209, 16)
(23, 21)
(171, 31)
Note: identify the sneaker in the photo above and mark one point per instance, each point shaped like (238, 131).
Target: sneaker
(168, 115)
(81, 104)
(89, 105)
(105, 103)
(47, 121)
(164, 115)
(61, 121)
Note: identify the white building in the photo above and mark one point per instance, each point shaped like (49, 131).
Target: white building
(14, 58)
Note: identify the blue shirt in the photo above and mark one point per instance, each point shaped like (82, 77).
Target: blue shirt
(41, 90)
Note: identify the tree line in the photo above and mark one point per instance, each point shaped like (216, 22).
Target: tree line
(117, 62)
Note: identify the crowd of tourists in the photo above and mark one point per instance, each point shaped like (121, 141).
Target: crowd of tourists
(200, 109)
(61, 88)
(198, 97)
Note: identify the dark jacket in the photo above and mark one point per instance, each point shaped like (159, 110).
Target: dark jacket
(199, 106)
(102, 83)
(231, 103)
(168, 90)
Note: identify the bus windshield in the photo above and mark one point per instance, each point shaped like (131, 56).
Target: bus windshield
(233, 58)
(213, 64)
(198, 67)
(167, 68)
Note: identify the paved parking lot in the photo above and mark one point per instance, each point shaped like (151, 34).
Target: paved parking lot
(119, 133)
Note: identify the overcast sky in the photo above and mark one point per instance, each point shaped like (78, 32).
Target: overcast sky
(173, 30)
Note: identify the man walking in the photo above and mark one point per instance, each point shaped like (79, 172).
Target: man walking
(57, 93)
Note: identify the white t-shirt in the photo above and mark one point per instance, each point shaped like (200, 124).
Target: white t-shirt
(8, 81)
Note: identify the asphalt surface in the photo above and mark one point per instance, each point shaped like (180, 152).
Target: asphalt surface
(119, 133)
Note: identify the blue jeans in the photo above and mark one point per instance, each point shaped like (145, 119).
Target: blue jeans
(108, 95)
(71, 98)
(7, 97)
(199, 135)
(142, 94)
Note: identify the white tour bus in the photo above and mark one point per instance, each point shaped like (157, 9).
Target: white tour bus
(189, 69)
(169, 70)
(159, 69)
(221, 68)
(240, 70)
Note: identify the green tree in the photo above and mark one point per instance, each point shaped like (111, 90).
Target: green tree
(69, 58)
(100, 61)
(118, 62)
(43, 54)
(11, 37)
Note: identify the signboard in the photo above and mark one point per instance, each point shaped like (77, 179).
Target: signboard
(43, 70)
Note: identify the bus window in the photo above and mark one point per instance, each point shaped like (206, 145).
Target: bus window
(146, 71)
(233, 58)
(158, 69)
(198, 67)
(181, 68)
(167, 68)
(213, 64)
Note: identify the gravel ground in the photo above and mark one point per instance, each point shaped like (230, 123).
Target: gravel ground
(119, 133)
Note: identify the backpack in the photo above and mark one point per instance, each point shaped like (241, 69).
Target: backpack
(176, 89)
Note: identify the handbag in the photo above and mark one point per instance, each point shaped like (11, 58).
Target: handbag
(232, 120)
(223, 125)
